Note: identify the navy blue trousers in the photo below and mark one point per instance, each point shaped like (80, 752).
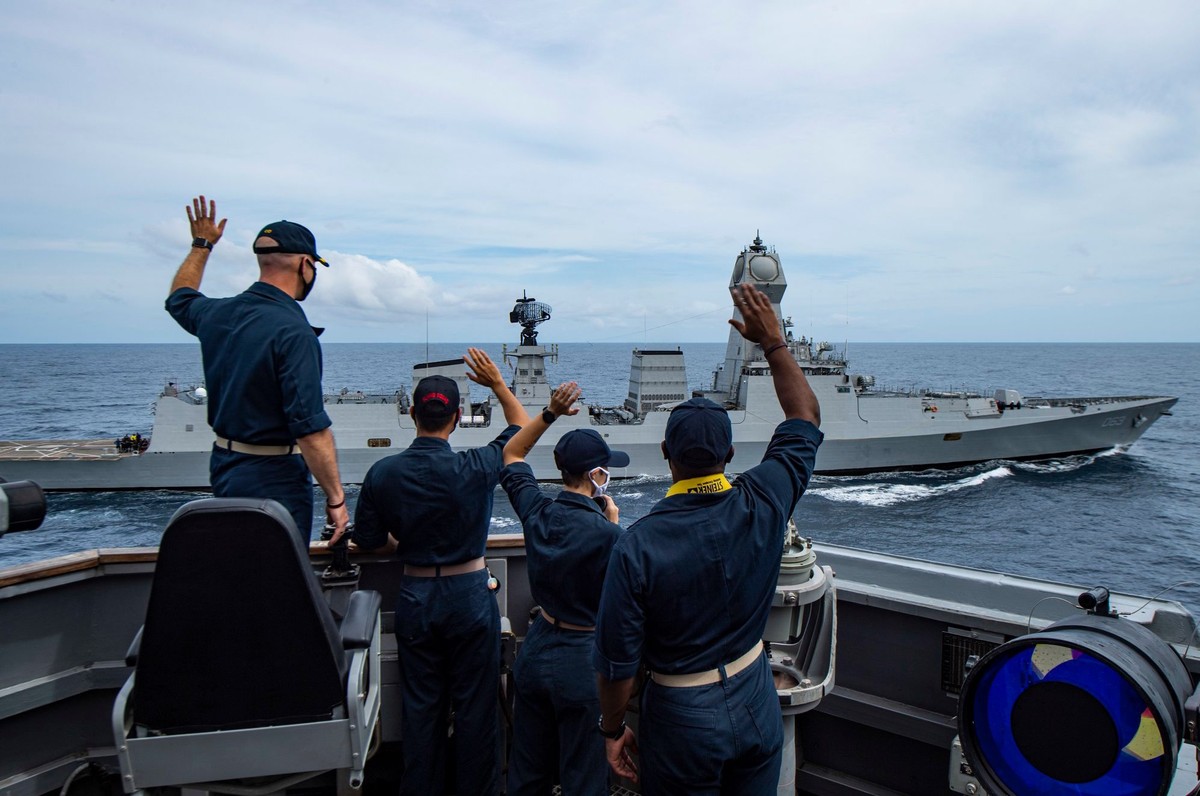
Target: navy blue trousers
(448, 638)
(725, 738)
(282, 478)
(554, 716)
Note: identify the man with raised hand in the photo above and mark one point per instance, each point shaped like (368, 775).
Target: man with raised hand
(432, 507)
(689, 588)
(262, 370)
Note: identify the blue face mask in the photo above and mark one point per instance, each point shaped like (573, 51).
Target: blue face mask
(599, 489)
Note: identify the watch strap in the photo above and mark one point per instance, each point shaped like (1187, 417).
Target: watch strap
(615, 734)
(548, 417)
(201, 243)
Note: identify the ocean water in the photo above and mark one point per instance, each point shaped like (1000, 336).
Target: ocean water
(1128, 520)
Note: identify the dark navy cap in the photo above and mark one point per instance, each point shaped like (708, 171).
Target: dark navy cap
(290, 238)
(436, 397)
(583, 450)
(699, 433)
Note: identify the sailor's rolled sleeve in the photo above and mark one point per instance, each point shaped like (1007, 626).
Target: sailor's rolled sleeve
(368, 533)
(522, 489)
(620, 622)
(299, 370)
(787, 466)
(184, 305)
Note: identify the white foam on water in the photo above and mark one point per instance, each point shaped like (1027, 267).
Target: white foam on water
(885, 493)
(502, 524)
(1067, 465)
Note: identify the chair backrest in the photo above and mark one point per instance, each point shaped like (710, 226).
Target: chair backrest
(237, 633)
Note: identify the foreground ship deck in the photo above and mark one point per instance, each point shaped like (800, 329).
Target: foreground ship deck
(905, 634)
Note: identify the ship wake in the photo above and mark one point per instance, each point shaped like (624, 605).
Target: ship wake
(882, 493)
(885, 490)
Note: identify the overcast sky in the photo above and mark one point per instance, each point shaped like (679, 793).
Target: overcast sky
(928, 171)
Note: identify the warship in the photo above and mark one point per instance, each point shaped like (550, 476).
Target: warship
(867, 429)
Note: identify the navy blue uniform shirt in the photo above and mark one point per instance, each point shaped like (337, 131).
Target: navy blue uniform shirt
(262, 363)
(568, 541)
(437, 503)
(690, 584)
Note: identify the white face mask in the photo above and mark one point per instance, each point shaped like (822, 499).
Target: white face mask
(599, 489)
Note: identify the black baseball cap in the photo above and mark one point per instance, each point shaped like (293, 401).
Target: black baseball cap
(290, 238)
(583, 450)
(436, 397)
(699, 433)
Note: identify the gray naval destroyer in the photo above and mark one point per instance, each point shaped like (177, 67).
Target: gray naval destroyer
(866, 429)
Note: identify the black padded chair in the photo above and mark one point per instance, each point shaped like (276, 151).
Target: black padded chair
(240, 671)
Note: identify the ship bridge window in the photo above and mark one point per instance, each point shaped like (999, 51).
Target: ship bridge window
(379, 442)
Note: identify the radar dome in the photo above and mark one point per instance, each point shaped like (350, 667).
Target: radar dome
(764, 268)
(201, 392)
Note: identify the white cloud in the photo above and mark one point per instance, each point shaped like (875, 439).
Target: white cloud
(374, 291)
(933, 160)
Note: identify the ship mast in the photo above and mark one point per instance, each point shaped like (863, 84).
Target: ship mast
(529, 383)
(760, 266)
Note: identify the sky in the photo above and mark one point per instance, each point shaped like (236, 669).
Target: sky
(928, 171)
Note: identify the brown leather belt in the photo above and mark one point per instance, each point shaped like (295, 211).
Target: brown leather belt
(256, 450)
(712, 675)
(566, 625)
(444, 570)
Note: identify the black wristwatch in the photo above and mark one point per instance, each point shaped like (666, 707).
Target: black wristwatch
(548, 417)
(201, 243)
(615, 734)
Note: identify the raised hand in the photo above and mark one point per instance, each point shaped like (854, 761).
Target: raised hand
(561, 402)
(482, 369)
(202, 216)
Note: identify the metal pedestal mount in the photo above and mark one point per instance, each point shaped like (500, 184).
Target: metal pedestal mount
(801, 638)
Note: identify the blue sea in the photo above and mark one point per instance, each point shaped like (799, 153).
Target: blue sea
(1127, 520)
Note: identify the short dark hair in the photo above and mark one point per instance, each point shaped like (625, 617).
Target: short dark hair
(573, 480)
(435, 424)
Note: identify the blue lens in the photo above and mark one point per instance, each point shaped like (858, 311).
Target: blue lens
(1050, 718)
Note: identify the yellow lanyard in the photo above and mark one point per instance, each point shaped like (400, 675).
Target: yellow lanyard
(705, 484)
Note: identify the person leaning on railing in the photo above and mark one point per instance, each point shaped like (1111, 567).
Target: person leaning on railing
(432, 506)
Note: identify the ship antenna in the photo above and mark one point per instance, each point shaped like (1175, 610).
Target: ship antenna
(529, 312)
(846, 344)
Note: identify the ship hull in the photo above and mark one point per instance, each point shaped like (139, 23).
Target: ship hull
(863, 434)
